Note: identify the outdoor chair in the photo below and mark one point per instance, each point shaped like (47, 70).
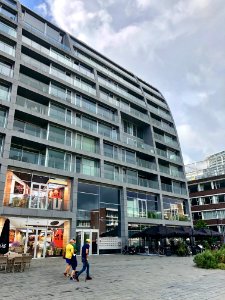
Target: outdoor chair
(17, 264)
(3, 262)
(26, 262)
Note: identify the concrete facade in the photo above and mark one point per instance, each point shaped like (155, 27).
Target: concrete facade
(55, 69)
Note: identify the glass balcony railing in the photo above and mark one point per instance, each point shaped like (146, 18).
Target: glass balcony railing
(98, 65)
(163, 125)
(88, 170)
(46, 37)
(146, 164)
(31, 105)
(83, 71)
(120, 91)
(136, 143)
(166, 140)
(160, 112)
(6, 70)
(7, 48)
(64, 60)
(85, 87)
(173, 189)
(27, 156)
(35, 45)
(8, 14)
(61, 75)
(35, 63)
(156, 100)
(58, 164)
(34, 83)
(7, 29)
(11, 3)
(3, 121)
(148, 183)
(4, 94)
(32, 130)
(172, 157)
(174, 173)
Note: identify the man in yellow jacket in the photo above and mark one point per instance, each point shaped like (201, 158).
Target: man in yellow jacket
(68, 256)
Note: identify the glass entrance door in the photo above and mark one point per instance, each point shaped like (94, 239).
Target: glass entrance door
(82, 235)
(35, 242)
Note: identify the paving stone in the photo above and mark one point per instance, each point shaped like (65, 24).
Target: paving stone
(116, 277)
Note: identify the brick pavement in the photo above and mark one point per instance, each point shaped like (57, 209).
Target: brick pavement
(117, 277)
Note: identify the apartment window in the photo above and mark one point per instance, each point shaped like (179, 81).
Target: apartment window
(111, 172)
(3, 117)
(132, 129)
(56, 134)
(59, 160)
(4, 92)
(128, 156)
(11, 15)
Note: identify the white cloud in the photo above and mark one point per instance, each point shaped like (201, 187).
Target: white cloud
(176, 45)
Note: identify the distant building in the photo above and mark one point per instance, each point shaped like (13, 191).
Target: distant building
(206, 183)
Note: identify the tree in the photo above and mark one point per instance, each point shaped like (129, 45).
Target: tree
(200, 224)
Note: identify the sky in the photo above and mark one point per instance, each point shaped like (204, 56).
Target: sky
(178, 46)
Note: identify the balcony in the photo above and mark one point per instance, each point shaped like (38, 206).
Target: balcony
(11, 3)
(173, 189)
(34, 83)
(85, 87)
(148, 183)
(146, 164)
(156, 100)
(160, 112)
(4, 93)
(138, 144)
(87, 170)
(163, 126)
(8, 30)
(83, 71)
(166, 140)
(35, 45)
(7, 48)
(34, 63)
(30, 129)
(174, 173)
(6, 70)
(32, 105)
(172, 157)
(51, 40)
(121, 91)
(27, 156)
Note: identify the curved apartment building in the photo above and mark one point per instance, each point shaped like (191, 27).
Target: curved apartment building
(87, 148)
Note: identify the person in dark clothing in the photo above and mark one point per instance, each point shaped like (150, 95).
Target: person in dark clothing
(73, 262)
(84, 258)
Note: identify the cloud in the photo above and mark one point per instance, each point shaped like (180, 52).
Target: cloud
(176, 45)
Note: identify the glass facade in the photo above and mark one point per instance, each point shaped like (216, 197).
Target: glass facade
(98, 207)
(36, 191)
(143, 205)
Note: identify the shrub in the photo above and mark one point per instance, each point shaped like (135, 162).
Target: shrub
(206, 260)
(221, 266)
(181, 249)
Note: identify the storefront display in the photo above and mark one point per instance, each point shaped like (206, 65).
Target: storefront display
(38, 237)
(30, 190)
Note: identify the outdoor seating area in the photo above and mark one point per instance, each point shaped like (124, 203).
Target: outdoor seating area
(14, 262)
(168, 240)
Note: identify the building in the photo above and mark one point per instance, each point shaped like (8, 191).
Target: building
(87, 148)
(206, 182)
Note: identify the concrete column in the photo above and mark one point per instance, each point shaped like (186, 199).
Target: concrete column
(124, 221)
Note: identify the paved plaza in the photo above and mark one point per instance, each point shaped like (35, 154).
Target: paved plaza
(117, 277)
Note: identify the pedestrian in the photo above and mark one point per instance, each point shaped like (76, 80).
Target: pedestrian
(74, 262)
(68, 256)
(84, 258)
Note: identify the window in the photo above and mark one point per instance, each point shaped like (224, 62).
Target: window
(56, 134)
(4, 92)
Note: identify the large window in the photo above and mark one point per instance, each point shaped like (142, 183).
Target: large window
(143, 205)
(36, 191)
(175, 209)
(4, 92)
(98, 207)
